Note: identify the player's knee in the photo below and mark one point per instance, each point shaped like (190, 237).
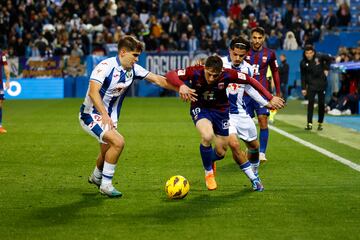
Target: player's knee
(253, 145)
(207, 138)
(234, 144)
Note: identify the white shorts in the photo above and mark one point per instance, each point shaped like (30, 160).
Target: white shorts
(91, 123)
(243, 126)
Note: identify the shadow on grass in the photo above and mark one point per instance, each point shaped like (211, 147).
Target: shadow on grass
(63, 214)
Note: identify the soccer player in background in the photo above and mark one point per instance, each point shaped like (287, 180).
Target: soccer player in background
(3, 62)
(109, 82)
(210, 113)
(241, 124)
(260, 58)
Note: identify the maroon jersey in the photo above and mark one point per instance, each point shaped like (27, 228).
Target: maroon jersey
(3, 62)
(261, 60)
(213, 96)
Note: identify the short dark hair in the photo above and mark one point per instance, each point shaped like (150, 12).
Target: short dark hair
(214, 62)
(240, 42)
(309, 47)
(258, 30)
(130, 43)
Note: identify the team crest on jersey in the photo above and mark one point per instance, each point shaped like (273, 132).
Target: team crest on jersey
(221, 85)
(264, 59)
(129, 74)
(4, 58)
(241, 76)
(233, 88)
(181, 72)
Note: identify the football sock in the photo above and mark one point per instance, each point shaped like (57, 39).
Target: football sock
(108, 173)
(0, 116)
(97, 172)
(253, 156)
(215, 156)
(246, 168)
(264, 136)
(206, 153)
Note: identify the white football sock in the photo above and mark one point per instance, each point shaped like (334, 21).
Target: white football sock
(97, 173)
(108, 173)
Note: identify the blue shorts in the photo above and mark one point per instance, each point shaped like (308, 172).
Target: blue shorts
(2, 93)
(219, 120)
(252, 106)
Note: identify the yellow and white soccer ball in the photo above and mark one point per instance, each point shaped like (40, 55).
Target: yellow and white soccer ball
(177, 187)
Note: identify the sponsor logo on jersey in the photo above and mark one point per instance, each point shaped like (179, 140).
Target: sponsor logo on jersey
(181, 72)
(225, 124)
(264, 59)
(104, 63)
(98, 70)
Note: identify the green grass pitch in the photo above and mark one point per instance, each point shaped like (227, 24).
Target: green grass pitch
(45, 159)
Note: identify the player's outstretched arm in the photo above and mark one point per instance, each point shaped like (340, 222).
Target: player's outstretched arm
(186, 93)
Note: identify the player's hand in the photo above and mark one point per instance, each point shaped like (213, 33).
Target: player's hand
(277, 102)
(187, 94)
(107, 123)
(303, 92)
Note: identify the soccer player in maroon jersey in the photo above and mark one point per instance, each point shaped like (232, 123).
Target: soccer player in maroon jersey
(210, 113)
(261, 58)
(3, 62)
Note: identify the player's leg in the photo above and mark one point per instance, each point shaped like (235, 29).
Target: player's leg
(321, 106)
(116, 144)
(253, 155)
(96, 176)
(2, 130)
(263, 136)
(205, 128)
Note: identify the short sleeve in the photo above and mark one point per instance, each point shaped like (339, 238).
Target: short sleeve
(140, 72)
(100, 72)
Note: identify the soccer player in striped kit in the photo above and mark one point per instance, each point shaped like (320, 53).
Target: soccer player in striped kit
(260, 58)
(109, 82)
(241, 125)
(210, 113)
(3, 62)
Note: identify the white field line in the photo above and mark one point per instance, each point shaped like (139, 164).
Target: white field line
(319, 149)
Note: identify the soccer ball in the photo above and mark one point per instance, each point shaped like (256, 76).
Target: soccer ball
(177, 187)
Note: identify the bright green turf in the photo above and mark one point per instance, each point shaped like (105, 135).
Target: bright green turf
(46, 158)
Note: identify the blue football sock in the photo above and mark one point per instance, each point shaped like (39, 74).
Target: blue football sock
(0, 116)
(206, 153)
(264, 136)
(215, 156)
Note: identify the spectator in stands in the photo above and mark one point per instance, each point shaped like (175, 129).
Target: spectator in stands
(273, 41)
(290, 42)
(343, 15)
(284, 76)
(330, 19)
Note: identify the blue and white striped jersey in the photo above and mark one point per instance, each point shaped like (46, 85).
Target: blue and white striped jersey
(115, 81)
(235, 92)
